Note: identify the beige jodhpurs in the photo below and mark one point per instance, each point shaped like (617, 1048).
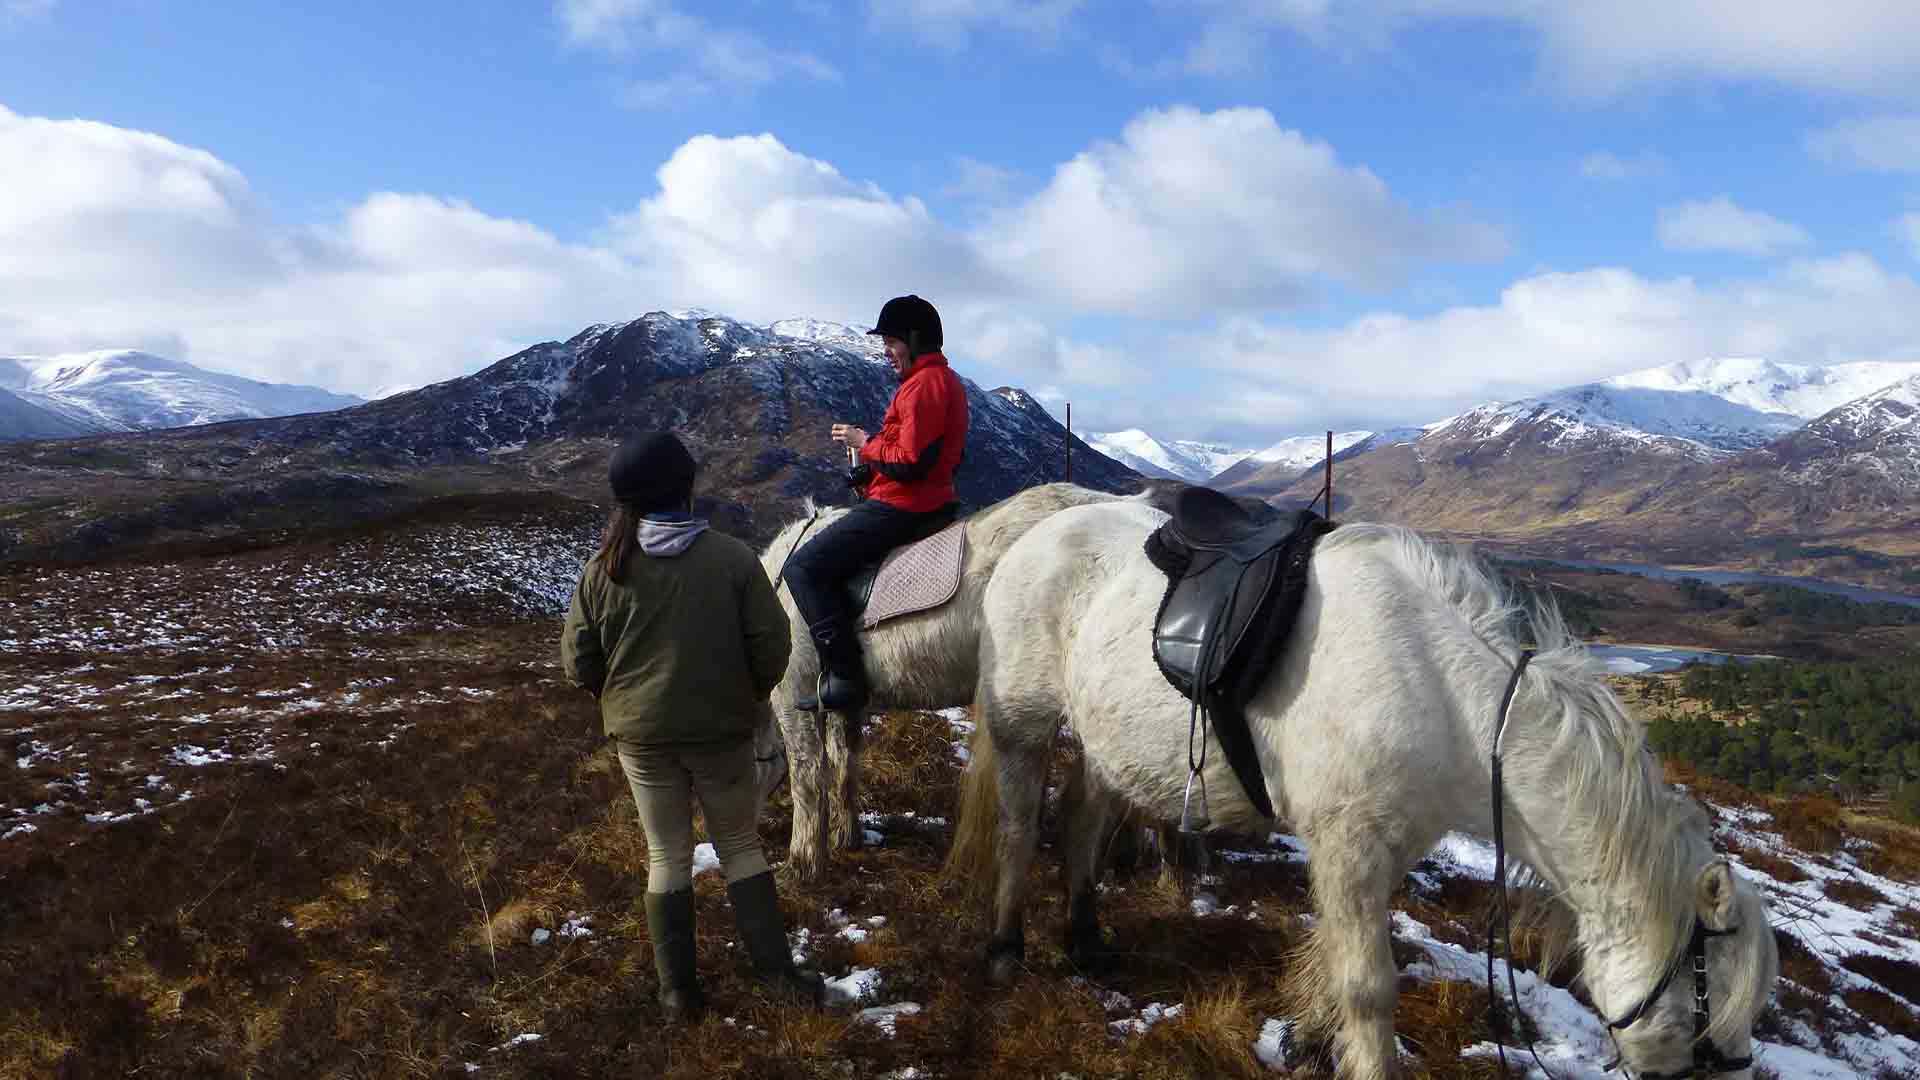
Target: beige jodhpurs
(665, 781)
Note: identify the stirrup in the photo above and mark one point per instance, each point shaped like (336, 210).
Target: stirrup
(812, 704)
(815, 703)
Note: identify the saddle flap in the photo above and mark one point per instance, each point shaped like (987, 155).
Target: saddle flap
(917, 577)
(1205, 618)
(1225, 620)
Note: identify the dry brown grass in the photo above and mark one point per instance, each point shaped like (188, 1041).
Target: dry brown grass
(1883, 1009)
(367, 910)
(1900, 977)
(1813, 823)
(1766, 862)
(1854, 894)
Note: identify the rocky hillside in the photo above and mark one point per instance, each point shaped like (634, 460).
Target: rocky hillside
(755, 404)
(1835, 493)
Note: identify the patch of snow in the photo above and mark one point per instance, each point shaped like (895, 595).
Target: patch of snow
(517, 1040)
(860, 984)
(705, 858)
(1275, 1043)
(1149, 1016)
(887, 1017)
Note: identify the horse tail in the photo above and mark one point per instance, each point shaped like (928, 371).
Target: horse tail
(971, 861)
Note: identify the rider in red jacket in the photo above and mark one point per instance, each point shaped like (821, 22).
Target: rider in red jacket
(906, 471)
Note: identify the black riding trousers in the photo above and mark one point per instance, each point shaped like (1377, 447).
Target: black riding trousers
(817, 574)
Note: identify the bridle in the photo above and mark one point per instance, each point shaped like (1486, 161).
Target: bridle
(1707, 1058)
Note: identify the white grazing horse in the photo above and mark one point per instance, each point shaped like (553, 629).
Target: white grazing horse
(921, 661)
(1374, 733)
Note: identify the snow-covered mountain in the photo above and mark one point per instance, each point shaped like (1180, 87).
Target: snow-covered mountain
(757, 403)
(1272, 469)
(1878, 434)
(1764, 386)
(1704, 410)
(1306, 451)
(22, 419)
(128, 390)
(1194, 462)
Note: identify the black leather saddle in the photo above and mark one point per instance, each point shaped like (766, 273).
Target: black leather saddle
(1235, 580)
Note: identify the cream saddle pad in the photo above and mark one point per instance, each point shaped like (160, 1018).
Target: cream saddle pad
(919, 576)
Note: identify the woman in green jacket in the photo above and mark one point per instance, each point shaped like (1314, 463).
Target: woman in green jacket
(677, 632)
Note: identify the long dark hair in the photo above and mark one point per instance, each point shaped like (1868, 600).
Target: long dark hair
(617, 544)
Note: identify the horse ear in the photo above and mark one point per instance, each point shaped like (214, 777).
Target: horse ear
(1716, 895)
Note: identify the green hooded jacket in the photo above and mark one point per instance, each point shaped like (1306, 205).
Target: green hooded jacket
(684, 650)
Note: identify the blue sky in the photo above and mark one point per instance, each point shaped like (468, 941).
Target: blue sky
(1237, 221)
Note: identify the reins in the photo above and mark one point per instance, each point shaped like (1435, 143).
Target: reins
(1707, 1058)
(1500, 881)
(780, 578)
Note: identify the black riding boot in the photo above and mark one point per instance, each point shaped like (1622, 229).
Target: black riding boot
(670, 925)
(843, 674)
(756, 910)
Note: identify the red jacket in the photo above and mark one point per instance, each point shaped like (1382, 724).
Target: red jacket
(921, 440)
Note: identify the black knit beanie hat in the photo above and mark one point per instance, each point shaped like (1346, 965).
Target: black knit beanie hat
(652, 472)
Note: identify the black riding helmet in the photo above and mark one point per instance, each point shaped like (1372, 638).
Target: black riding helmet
(652, 472)
(913, 321)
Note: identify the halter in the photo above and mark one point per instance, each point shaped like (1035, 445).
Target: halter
(1707, 1058)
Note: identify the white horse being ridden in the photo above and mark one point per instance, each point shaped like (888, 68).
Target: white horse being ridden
(1374, 734)
(920, 661)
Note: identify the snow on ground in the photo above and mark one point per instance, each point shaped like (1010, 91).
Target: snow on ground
(93, 629)
(1573, 1039)
(104, 643)
(241, 604)
(263, 727)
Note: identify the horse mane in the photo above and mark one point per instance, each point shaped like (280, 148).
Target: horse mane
(1570, 737)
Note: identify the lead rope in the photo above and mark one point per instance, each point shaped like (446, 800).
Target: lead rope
(1500, 882)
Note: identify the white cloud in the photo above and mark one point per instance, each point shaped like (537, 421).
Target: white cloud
(717, 60)
(114, 237)
(975, 179)
(950, 24)
(1907, 227)
(1719, 225)
(1546, 331)
(1605, 165)
(1852, 46)
(111, 237)
(1889, 142)
(758, 230)
(619, 25)
(1219, 211)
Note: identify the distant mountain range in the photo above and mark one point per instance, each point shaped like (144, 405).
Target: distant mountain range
(1723, 463)
(1193, 462)
(1733, 462)
(127, 390)
(754, 402)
